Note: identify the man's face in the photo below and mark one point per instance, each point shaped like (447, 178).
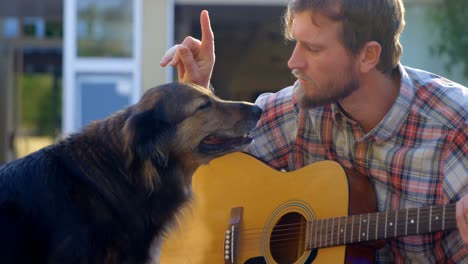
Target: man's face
(324, 68)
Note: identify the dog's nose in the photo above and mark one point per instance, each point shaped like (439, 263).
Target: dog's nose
(256, 111)
(252, 110)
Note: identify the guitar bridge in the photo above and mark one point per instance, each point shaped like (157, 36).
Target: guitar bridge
(231, 236)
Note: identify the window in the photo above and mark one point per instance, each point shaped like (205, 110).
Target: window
(104, 28)
(9, 27)
(100, 95)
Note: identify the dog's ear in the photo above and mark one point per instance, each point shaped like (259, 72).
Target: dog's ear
(147, 135)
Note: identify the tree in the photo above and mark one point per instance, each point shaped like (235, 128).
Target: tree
(450, 18)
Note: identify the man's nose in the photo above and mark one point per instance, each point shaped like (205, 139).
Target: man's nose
(295, 61)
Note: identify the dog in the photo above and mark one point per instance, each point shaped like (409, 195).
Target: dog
(110, 193)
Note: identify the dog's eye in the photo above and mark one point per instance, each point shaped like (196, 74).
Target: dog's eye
(205, 105)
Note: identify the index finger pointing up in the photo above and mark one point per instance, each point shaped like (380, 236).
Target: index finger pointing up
(207, 39)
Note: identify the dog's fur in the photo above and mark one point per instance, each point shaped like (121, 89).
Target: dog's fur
(110, 192)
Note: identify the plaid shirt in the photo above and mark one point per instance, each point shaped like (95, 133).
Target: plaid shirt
(416, 156)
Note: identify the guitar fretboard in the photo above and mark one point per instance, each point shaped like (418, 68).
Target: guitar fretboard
(344, 230)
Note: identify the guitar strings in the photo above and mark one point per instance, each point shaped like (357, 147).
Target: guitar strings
(282, 235)
(282, 227)
(296, 236)
(281, 241)
(424, 216)
(292, 229)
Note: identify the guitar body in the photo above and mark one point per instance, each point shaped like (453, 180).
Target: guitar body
(269, 199)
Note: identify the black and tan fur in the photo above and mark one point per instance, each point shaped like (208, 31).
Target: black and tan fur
(109, 193)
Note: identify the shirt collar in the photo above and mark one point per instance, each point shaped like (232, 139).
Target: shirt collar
(394, 119)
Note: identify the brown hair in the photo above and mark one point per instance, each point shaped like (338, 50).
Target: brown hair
(362, 21)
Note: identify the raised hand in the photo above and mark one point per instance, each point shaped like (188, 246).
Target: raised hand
(193, 58)
(462, 217)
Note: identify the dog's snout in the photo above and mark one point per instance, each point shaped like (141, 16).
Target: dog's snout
(254, 114)
(256, 111)
(253, 111)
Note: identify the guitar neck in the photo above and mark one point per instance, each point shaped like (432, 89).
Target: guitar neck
(375, 226)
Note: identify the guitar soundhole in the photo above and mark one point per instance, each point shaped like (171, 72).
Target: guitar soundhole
(287, 241)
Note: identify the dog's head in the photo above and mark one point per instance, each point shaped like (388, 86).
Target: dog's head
(187, 124)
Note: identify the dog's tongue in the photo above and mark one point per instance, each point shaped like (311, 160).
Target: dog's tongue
(213, 140)
(217, 140)
(218, 144)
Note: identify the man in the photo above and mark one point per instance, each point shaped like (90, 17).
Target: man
(354, 103)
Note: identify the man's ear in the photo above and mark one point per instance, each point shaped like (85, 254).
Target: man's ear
(369, 56)
(147, 136)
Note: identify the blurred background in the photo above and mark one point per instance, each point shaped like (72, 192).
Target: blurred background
(64, 63)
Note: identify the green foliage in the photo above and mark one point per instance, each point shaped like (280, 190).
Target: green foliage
(450, 18)
(40, 105)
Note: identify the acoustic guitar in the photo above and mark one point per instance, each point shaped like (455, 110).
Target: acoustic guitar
(246, 212)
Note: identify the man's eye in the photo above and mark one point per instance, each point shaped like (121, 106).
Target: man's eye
(205, 105)
(313, 49)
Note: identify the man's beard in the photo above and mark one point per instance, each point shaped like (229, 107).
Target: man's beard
(307, 102)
